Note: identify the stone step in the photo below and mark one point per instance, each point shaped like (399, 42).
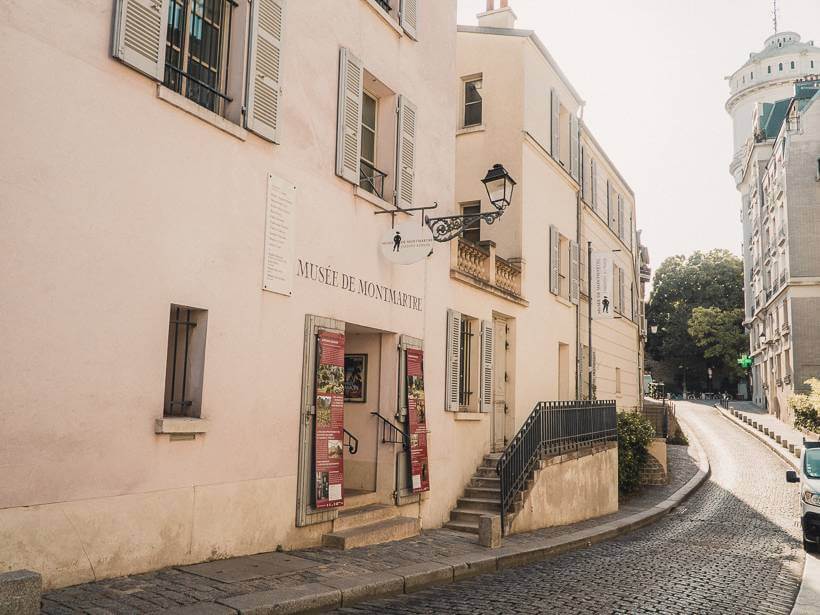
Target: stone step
(388, 530)
(462, 526)
(364, 515)
(466, 514)
(486, 472)
(492, 482)
(479, 504)
(487, 493)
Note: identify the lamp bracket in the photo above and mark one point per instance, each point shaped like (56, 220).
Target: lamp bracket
(447, 228)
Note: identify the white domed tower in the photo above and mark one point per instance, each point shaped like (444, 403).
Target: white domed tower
(767, 76)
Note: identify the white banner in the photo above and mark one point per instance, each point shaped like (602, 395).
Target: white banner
(602, 285)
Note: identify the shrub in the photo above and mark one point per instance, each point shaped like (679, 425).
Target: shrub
(635, 432)
(806, 408)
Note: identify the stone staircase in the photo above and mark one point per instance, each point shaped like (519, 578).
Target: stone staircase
(482, 496)
(369, 525)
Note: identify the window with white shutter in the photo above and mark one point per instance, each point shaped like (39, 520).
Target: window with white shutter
(574, 284)
(613, 209)
(621, 291)
(486, 385)
(620, 217)
(593, 182)
(264, 65)
(555, 124)
(575, 148)
(406, 153)
(351, 73)
(453, 352)
(408, 17)
(584, 176)
(140, 30)
(554, 261)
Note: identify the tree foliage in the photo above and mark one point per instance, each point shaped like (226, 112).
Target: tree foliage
(720, 334)
(806, 407)
(711, 279)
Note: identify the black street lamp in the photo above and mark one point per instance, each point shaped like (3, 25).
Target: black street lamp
(499, 187)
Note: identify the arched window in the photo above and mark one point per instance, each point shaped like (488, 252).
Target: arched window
(770, 69)
(792, 65)
(780, 66)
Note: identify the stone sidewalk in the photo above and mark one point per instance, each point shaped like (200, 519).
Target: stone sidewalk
(325, 578)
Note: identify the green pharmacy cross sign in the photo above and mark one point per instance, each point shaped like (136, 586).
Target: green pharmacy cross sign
(745, 362)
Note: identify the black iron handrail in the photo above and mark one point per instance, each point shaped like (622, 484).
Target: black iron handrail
(391, 434)
(352, 442)
(551, 428)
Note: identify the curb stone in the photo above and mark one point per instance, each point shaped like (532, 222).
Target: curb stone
(345, 591)
(778, 450)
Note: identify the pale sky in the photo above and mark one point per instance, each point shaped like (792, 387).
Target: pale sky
(652, 75)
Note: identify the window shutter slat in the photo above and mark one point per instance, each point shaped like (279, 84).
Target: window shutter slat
(140, 28)
(593, 182)
(264, 90)
(453, 359)
(555, 260)
(620, 216)
(575, 146)
(348, 127)
(406, 153)
(408, 17)
(621, 293)
(574, 283)
(555, 128)
(487, 341)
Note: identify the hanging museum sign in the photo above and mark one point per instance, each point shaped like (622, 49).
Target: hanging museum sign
(417, 420)
(602, 285)
(328, 449)
(407, 243)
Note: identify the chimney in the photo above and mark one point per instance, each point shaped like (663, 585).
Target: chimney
(502, 17)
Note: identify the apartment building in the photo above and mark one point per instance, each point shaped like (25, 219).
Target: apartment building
(775, 168)
(191, 262)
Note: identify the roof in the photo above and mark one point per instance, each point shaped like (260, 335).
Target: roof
(772, 50)
(530, 34)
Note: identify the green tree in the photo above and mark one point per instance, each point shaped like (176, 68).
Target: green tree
(720, 334)
(711, 279)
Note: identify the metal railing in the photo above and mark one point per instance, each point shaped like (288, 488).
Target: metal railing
(391, 434)
(352, 442)
(371, 179)
(552, 428)
(385, 4)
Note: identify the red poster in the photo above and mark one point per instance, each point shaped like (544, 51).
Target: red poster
(417, 411)
(329, 440)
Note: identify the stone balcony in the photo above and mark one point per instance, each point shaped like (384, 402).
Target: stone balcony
(479, 266)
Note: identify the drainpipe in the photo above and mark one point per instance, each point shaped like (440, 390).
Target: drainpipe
(578, 358)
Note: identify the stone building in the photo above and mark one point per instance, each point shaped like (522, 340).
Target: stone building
(775, 166)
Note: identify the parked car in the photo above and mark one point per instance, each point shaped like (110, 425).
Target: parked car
(809, 479)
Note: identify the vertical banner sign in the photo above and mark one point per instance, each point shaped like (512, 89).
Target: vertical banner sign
(328, 448)
(602, 286)
(417, 419)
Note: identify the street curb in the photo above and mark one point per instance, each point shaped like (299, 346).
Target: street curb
(327, 594)
(783, 454)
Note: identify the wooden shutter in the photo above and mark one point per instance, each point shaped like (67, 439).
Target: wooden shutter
(584, 177)
(620, 216)
(264, 63)
(486, 398)
(408, 17)
(574, 283)
(621, 290)
(349, 122)
(575, 148)
(555, 127)
(555, 261)
(406, 153)
(612, 208)
(593, 182)
(453, 360)
(140, 30)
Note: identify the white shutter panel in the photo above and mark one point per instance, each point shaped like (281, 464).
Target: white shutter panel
(140, 30)
(408, 17)
(406, 154)
(575, 147)
(621, 290)
(555, 118)
(612, 208)
(593, 182)
(555, 260)
(574, 283)
(348, 128)
(584, 177)
(453, 360)
(264, 63)
(620, 217)
(486, 399)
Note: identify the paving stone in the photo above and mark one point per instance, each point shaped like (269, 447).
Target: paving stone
(280, 601)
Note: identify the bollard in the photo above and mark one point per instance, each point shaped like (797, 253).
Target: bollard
(20, 592)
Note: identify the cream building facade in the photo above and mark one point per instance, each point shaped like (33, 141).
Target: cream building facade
(208, 203)
(777, 148)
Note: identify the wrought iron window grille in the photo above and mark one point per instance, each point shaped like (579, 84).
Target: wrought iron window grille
(371, 179)
(464, 384)
(179, 381)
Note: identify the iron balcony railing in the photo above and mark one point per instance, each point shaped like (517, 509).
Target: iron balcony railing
(552, 428)
(371, 179)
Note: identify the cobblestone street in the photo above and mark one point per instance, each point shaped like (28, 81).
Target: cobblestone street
(734, 547)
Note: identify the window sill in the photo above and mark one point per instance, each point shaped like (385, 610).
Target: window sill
(180, 425)
(386, 16)
(371, 198)
(564, 301)
(189, 106)
(468, 415)
(468, 129)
